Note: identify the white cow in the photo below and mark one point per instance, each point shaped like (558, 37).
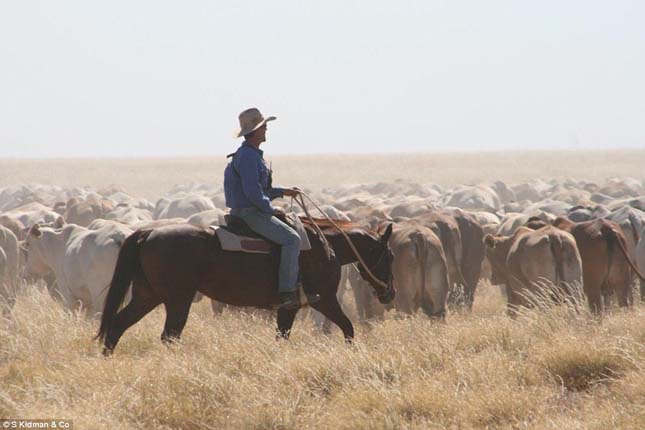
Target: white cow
(128, 214)
(640, 260)
(208, 217)
(33, 213)
(6, 292)
(82, 260)
(10, 247)
(185, 206)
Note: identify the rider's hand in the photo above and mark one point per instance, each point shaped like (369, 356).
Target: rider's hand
(279, 212)
(291, 192)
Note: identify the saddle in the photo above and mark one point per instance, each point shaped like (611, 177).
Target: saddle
(236, 235)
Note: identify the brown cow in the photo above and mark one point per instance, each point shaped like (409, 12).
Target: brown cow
(528, 258)
(419, 269)
(473, 253)
(16, 227)
(606, 262)
(84, 212)
(446, 228)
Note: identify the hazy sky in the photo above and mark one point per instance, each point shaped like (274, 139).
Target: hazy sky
(121, 78)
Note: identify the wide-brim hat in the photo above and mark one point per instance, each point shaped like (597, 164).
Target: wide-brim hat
(250, 120)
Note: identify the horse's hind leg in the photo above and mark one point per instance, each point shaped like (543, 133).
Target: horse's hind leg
(143, 301)
(285, 322)
(217, 307)
(331, 309)
(177, 309)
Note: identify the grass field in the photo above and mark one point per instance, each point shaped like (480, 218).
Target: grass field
(551, 369)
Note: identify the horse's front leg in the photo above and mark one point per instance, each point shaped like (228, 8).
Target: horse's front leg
(330, 308)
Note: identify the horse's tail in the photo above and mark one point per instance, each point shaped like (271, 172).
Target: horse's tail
(126, 267)
(613, 238)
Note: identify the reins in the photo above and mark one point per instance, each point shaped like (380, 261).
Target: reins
(301, 203)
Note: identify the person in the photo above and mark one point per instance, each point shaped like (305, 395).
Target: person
(249, 191)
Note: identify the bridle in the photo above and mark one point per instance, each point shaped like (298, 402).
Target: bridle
(389, 286)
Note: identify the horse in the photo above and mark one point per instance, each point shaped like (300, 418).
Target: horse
(169, 264)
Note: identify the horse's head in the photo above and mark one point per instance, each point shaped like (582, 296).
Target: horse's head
(379, 261)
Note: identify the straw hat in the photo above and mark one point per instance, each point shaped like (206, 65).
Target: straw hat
(250, 120)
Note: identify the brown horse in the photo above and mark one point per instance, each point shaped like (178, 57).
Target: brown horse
(169, 264)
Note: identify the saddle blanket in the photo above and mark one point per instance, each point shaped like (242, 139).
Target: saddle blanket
(233, 242)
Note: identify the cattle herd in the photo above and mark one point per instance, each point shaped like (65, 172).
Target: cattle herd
(563, 235)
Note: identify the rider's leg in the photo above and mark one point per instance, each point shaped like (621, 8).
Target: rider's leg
(289, 240)
(285, 236)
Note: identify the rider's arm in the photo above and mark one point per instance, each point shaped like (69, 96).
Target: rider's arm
(275, 192)
(248, 168)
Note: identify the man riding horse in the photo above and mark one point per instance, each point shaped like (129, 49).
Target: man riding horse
(249, 191)
(169, 264)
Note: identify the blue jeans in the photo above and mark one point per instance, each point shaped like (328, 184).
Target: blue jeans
(272, 228)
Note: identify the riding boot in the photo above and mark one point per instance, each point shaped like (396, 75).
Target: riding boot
(309, 298)
(291, 300)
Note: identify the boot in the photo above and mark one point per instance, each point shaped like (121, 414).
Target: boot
(291, 300)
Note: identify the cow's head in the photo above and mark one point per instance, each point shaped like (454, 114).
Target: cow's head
(497, 248)
(33, 249)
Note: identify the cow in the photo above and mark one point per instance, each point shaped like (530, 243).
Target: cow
(447, 230)
(84, 212)
(11, 249)
(14, 225)
(606, 262)
(631, 222)
(529, 259)
(33, 213)
(419, 269)
(512, 221)
(478, 197)
(185, 206)
(472, 257)
(82, 260)
(208, 217)
(7, 297)
(640, 260)
(128, 214)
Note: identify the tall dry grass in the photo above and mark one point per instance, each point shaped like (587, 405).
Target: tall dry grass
(552, 368)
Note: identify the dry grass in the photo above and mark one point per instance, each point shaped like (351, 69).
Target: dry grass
(150, 178)
(552, 368)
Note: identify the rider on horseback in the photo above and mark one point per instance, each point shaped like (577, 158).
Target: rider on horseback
(248, 191)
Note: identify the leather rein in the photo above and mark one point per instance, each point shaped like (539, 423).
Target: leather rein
(301, 203)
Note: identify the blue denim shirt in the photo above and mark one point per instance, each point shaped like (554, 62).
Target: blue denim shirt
(246, 181)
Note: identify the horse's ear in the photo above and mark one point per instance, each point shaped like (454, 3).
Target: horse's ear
(385, 237)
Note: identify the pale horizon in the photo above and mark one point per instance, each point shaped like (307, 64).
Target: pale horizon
(271, 154)
(158, 79)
